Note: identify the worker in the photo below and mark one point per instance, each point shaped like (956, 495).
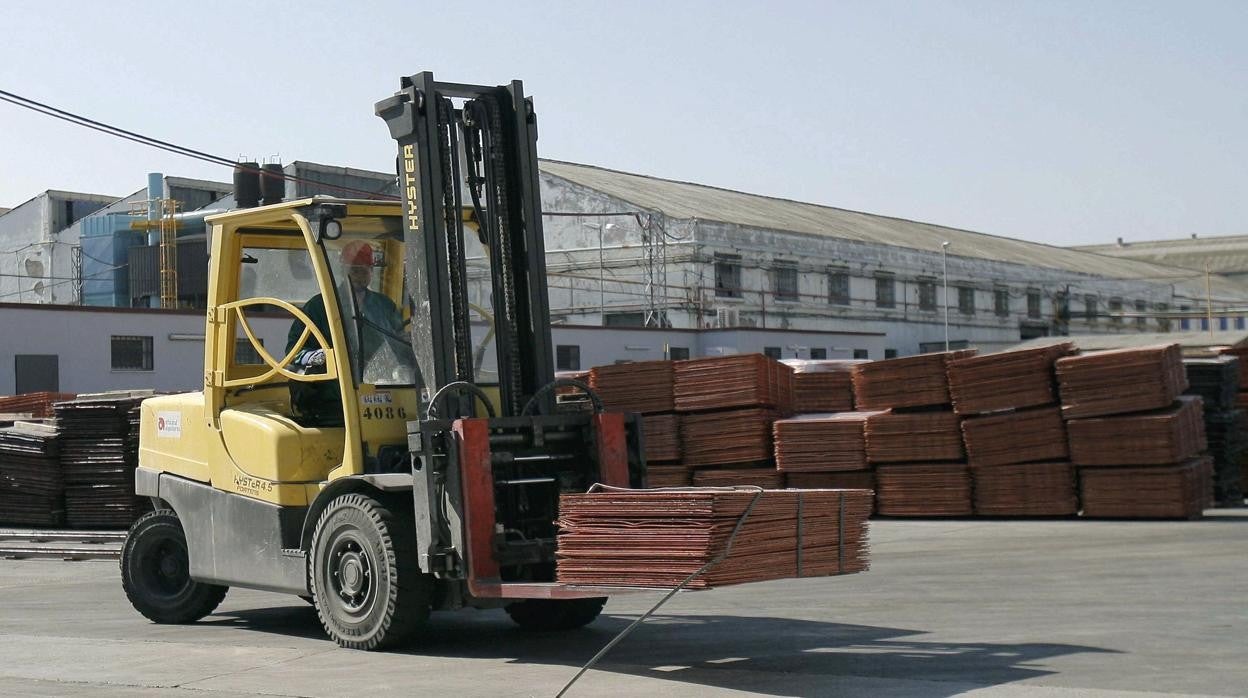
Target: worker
(376, 317)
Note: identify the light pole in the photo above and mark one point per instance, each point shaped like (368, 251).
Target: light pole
(944, 272)
(602, 298)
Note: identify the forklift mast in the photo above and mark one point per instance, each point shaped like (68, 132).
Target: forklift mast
(472, 146)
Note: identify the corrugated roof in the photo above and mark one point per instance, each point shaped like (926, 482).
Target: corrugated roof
(1193, 343)
(1224, 254)
(687, 200)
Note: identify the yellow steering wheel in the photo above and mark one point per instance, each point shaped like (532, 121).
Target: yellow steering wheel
(280, 367)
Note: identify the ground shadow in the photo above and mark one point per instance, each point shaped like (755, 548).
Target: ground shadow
(772, 656)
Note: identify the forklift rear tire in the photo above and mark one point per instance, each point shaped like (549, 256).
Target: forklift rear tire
(370, 593)
(545, 615)
(156, 575)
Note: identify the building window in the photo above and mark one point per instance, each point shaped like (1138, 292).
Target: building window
(860, 354)
(1185, 323)
(1163, 322)
(1033, 303)
(784, 280)
(927, 294)
(1115, 312)
(631, 319)
(772, 352)
(1224, 324)
(245, 353)
(818, 353)
(1141, 308)
(966, 300)
(131, 353)
(1239, 322)
(567, 357)
(890, 353)
(1001, 301)
(1089, 309)
(885, 291)
(678, 353)
(728, 275)
(838, 287)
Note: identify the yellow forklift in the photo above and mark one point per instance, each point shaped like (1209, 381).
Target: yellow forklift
(402, 452)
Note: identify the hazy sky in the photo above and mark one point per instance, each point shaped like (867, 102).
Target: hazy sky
(1061, 122)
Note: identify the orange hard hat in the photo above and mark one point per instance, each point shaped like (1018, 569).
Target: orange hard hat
(357, 253)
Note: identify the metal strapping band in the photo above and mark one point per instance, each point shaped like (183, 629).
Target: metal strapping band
(799, 533)
(840, 535)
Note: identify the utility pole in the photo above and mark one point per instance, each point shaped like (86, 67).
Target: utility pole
(1208, 301)
(944, 272)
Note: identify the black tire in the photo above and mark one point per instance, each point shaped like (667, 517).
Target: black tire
(369, 591)
(156, 575)
(547, 615)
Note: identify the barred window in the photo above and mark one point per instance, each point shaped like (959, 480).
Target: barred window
(1001, 301)
(1033, 304)
(728, 275)
(838, 287)
(927, 294)
(885, 291)
(131, 353)
(966, 300)
(567, 357)
(784, 280)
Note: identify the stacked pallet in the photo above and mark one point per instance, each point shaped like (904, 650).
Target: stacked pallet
(1026, 489)
(1216, 380)
(923, 489)
(822, 442)
(1241, 403)
(1120, 381)
(659, 538)
(31, 492)
(99, 452)
(662, 437)
(1008, 380)
(731, 436)
(1021, 436)
(913, 381)
(34, 405)
(1159, 437)
(723, 382)
(913, 437)
(823, 385)
(642, 386)
(1170, 491)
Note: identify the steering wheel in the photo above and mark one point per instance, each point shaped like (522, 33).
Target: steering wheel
(276, 366)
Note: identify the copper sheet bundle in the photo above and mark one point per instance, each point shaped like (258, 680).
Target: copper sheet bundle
(1006, 380)
(1120, 381)
(1170, 435)
(642, 386)
(1215, 380)
(37, 405)
(913, 381)
(849, 480)
(30, 475)
(1015, 437)
(732, 436)
(823, 385)
(1154, 492)
(765, 477)
(655, 538)
(719, 382)
(1026, 489)
(912, 437)
(822, 442)
(662, 436)
(1225, 433)
(668, 475)
(923, 489)
(99, 452)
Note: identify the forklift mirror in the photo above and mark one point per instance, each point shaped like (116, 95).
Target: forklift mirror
(330, 229)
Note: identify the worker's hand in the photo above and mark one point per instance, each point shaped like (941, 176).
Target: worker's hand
(314, 358)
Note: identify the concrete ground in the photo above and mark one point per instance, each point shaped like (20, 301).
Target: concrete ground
(967, 607)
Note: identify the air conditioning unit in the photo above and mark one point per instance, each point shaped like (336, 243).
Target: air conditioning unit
(727, 317)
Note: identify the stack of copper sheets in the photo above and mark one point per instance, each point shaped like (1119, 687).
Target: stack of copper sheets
(659, 538)
(1215, 380)
(823, 385)
(1006, 380)
(1015, 437)
(722, 382)
(850, 480)
(1161, 492)
(30, 475)
(1120, 381)
(1165, 436)
(668, 475)
(662, 436)
(923, 489)
(642, 386)
(1027, 489)
(765, 477)
(732, 436)
(99, 452)
(913, 437)
(37, 405)
(914, 381)
(822, 442)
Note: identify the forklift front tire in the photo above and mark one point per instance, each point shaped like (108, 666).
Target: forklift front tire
(366, 581)
(156, 576)
(546, 615)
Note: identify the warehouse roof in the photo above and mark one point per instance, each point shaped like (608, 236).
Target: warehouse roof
(1193, 343)
(1224, 254)
(687, 200)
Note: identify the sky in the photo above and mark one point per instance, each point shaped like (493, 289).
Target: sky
(1058, 122)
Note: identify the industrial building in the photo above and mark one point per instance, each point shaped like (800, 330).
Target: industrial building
(628, 251)
(1224, 255)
